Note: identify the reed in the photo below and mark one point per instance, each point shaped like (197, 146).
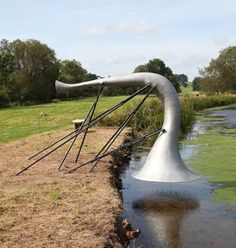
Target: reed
(150, 115)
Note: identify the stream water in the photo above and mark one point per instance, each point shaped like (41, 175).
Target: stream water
(179, 214)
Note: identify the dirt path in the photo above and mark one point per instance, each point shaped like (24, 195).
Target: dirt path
(46, 208)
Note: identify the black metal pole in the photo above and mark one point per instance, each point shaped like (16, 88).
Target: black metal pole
(85, 120)
(89, 121)
(133, 142)
(94, 121)
(120, 129)
(26, 168)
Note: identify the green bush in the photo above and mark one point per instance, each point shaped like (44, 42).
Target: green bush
(150, 114)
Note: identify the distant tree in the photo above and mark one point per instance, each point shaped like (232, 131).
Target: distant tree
(196, 84)
(89, 91)
(220, 75)
(90, 76)
(71, 71)
(6, 69)
(35, 69)
(181, 78)
(158, 66)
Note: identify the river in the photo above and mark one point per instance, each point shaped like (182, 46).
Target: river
(181, 214)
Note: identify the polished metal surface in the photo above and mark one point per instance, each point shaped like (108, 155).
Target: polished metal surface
(164, 163)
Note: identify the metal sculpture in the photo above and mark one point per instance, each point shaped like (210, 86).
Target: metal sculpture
(87, 123)
(164, 163)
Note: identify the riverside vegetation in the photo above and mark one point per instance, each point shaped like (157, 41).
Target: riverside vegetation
(150, 115)
(19, 122)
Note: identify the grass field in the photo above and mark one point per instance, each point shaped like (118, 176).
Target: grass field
(187, 90)
(19, 122)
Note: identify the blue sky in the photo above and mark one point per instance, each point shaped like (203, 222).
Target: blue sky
(112, 37)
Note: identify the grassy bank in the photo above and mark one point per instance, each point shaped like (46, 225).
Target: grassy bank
(150, 115)
(19, 122)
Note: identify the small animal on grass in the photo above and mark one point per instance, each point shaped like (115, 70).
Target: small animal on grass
(42, 114)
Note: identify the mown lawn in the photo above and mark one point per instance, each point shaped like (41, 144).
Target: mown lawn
(19, 122)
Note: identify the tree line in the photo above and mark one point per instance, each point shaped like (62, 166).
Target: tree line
(28, 70)
(220, 75)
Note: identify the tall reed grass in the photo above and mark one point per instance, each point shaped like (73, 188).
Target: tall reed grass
(150, 114)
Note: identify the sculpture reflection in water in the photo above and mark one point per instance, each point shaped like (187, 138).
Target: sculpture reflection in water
(165, 213)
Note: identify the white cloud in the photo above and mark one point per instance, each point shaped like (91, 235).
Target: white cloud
(121, 59)
(138, 27)
(222, 41)
(95, 31)
(130, 27)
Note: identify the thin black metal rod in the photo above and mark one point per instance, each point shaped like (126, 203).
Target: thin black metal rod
(88, 116)
(67, 152)
(87, 126)
(57, 147)
(120, 129)
(133, 142)
(89, 121)
(54, 149)
(46, 148)
(93, 122)
(63, 160)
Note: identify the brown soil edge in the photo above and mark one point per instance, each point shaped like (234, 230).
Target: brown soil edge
(118, 164)
(48, 208)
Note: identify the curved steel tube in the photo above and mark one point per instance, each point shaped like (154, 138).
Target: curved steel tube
(164, 163)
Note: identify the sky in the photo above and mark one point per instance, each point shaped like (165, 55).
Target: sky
(112, 37)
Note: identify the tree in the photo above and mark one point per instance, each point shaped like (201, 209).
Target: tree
(71, 71)
(6, 68)
(220, 75)
(196, 84)
(35, 69)
(181, 78)
(158, 66)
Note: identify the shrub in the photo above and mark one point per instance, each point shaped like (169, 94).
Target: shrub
(150, 114)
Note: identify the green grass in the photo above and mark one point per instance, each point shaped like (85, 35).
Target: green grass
(54, 195)
(186, 90)
(19, 122)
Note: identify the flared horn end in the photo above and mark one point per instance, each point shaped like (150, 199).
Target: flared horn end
(61, 87)
(169, 175)
(164, 163)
